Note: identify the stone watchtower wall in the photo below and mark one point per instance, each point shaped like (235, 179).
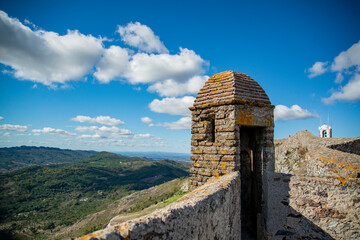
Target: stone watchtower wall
(233, 130)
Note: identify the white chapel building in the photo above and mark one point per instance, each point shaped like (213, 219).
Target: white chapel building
(325, 131)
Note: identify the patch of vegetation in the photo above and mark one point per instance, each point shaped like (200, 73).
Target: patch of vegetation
(38, 201)
(161, 197)
(24, 156)
(123, 209)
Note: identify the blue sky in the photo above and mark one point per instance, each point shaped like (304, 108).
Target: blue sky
(120, 75)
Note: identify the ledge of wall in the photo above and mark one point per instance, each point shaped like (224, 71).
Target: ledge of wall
(211, 211)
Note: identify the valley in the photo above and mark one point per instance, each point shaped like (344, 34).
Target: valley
(39, 201)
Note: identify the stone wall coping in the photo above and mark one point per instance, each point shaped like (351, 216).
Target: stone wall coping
(231, 102)
(328, 180)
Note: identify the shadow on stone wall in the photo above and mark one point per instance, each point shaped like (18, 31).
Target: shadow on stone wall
(289, 223)
(349, 147)
(312, 208)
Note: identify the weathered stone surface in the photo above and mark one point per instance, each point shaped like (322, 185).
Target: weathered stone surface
(324, 207)
(217, 117)
(306, 154)
(231, 85)
(211, 211)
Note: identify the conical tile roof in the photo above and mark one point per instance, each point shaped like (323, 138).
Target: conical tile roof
(230, 85)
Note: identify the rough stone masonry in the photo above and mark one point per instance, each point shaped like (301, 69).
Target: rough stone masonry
(228, 102)
(233, 130)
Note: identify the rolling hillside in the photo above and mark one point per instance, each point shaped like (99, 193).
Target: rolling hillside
(39, 200)
(24, 156)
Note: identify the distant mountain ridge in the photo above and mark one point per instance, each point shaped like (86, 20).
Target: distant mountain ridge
(179, 157)
(24, 156)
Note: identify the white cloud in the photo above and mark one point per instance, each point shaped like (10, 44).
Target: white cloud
(173, 106)
(145, 135)
(110, 142)
(350, 92)
(142, 37)
(282, 112)
(317, 69)
(22, 134)
(1, 118)
(53, 59)
(346, 63)
(86, 129)
(104, 132)
(87, 136)
(99, 119)
(53, 131)
(182, 123)
(102, 142)
(10, 127)
(347, 59)
(27, 22)
(46, 57)
(148, 68)
(339, 77)
(171, 88)
(112, 65)
(148, 121)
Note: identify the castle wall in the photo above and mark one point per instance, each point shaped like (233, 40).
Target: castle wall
(298, 208)
(211, 211)
(215, 140)
(327, 162)
(313, 208)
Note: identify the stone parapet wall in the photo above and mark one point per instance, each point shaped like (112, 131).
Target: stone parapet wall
(211, 211)
(326, 162)
(313, 208)
(349, 147)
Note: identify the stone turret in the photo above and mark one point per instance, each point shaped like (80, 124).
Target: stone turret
(228, 102)
(233, 130)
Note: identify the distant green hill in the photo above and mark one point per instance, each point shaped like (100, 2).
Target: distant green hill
(39, 199)
(24, 156)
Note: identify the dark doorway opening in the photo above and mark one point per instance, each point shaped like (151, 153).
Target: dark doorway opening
(251, 170)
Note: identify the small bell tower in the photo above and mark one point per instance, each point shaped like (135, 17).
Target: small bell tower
(325, 131)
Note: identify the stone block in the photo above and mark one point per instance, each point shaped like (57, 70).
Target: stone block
(196, 157)
(194, 143)
(210, 150)
(196, 150)
(224, 128)
(229, 158)
(226, 136)
(198, 137)
(212, 157)
(229, 150)
(231, 143)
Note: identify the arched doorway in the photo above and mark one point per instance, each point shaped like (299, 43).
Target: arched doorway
(324, 134)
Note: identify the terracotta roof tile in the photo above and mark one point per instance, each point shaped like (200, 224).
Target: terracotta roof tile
(231, 85)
